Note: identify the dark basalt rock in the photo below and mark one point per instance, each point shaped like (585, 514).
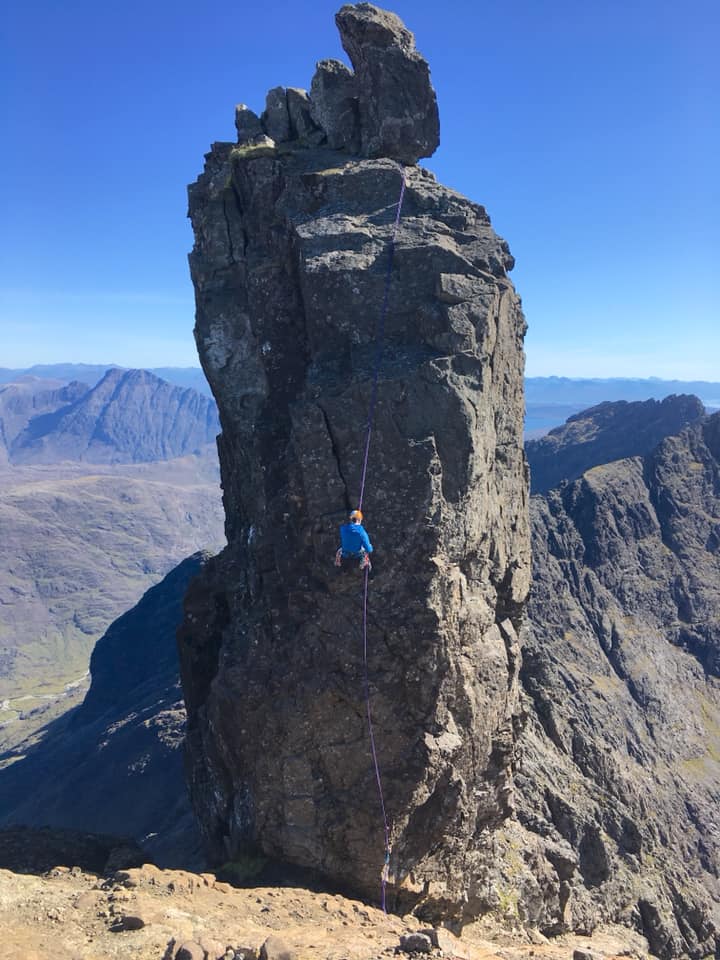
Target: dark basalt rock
(301, 122)
(247, 124)
(276, 119)
(397, 104)
(334, 106)
(289, 266)
(621, 672)
(385, 108)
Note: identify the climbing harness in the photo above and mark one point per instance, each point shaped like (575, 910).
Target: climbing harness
(379, 337)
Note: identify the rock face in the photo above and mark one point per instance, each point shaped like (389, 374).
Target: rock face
(606, 432)
(396, 103)
(289, 265)
(620, 769)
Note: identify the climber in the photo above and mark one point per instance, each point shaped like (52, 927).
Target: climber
(354, 542)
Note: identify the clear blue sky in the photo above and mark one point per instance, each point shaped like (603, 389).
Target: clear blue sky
(590, 131)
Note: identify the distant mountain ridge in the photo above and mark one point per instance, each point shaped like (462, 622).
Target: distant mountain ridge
(104, 489)
(91, 373)
(596, 390)
(549, 401)
(604, 433)
(129, 416)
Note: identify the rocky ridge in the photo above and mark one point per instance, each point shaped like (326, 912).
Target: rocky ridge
(603, 433)
(129, 416)
(620, 769)
(291, 245)
(386, 107)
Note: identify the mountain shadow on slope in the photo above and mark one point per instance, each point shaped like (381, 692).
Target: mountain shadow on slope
(114, 764)
(31, 398)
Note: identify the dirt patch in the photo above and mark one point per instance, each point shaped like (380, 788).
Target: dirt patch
(152, 914)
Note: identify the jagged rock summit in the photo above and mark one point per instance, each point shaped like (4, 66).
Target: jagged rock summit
(292, 243)
(385, 108)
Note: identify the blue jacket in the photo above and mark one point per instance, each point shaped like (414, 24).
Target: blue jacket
(354, 538)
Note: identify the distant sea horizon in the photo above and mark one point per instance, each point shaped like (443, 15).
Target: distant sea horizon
(549, 400)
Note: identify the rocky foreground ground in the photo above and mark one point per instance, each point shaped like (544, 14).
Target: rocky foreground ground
(146, 913)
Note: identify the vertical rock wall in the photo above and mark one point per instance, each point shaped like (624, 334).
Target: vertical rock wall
(289, 263)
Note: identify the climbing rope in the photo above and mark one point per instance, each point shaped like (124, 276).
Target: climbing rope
(379, 338)
(373, 750)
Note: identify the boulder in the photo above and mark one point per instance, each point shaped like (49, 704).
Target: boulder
(276, 119)
(396, 101)
(416, 943)
(333, 105)
(190, 950)
(247, 124)
(302, 126)
(275, 948)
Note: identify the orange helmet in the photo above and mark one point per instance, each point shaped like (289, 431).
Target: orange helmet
(356, 515)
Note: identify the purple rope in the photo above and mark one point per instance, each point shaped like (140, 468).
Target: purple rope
(373, 749)
(379, 337)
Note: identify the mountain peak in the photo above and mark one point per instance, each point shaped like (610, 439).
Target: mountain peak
(129, 416)
(608, 431)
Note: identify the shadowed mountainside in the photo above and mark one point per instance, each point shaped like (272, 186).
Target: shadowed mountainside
(28, 398)
(82, 540)
(114, 764)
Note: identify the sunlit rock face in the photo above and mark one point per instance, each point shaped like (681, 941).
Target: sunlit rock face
(292, 245)
(619, 764)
